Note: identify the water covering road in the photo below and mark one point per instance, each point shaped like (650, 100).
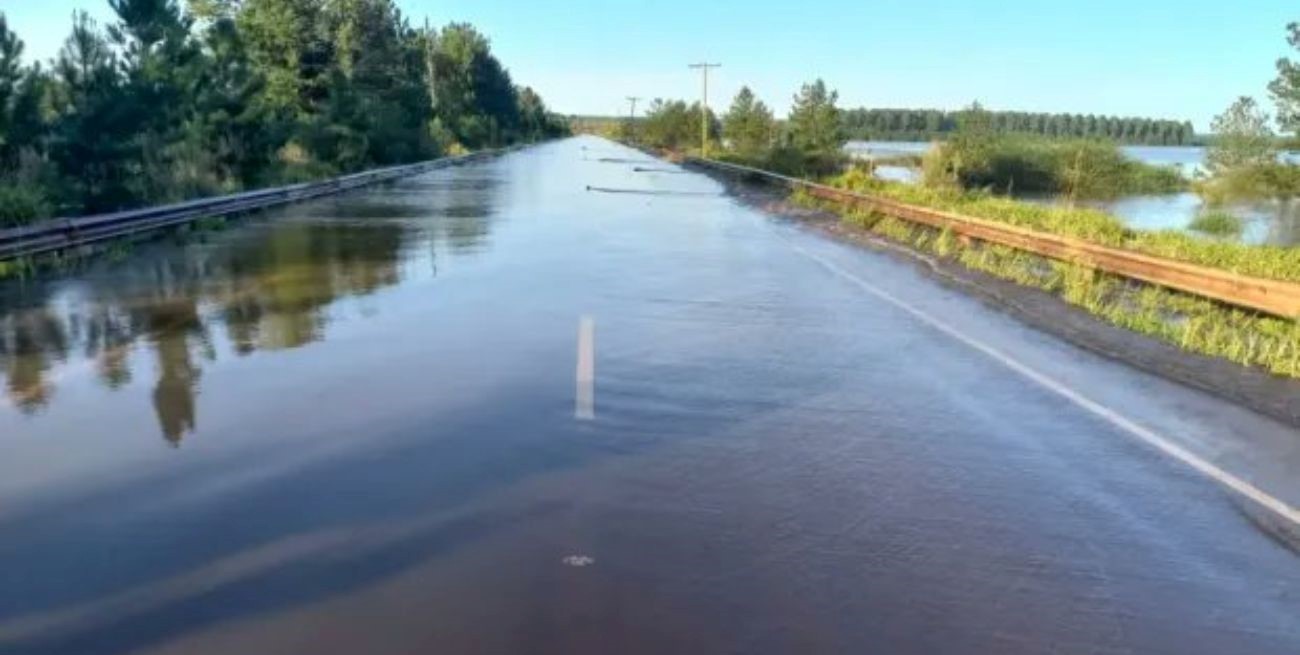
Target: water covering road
(350, 427)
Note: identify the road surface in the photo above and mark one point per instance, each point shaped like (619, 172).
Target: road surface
(575, 400)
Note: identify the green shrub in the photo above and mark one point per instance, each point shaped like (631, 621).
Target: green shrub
(1141, 178)
(1218, 224)
(21, 205)
(1079, 168)
(1274, 181)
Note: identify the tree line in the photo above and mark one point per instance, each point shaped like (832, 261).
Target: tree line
(808, 141)
(978, 152)
(932, 124)
(977, 156)
(1003, 151)
(168, 102)
(749, 126)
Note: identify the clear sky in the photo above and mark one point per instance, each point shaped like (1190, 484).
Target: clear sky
(1159, 58)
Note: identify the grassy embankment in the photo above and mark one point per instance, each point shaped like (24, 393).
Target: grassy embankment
(1194, 324)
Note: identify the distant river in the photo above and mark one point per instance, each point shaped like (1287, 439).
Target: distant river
(1266, 222)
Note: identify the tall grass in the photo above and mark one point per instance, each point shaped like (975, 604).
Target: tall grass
(1191, 323)
(788, 161)
(1277, 181)
(1217, 224)
(1275, 262)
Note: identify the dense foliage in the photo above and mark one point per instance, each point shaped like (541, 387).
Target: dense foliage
(748, 127)
(1242, 137)
(814, 123)
(808, 142)
(1244, 162)
(1285, 89)
(675, 125)
(167, 103)
(934, 124)
(978, 156)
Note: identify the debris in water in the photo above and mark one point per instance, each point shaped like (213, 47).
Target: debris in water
(578, 561)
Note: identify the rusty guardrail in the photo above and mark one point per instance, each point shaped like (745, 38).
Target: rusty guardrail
(65, 233)
(1275, 297)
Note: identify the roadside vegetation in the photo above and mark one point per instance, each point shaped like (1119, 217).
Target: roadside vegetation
(979, 157)
(1193, 324)
(1276, 262)
(986, 157)
(171, 102)
(1243, 162)
(808, 143)
(673, 125)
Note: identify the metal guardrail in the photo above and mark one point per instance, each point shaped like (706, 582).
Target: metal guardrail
(1274, 297)
(64, 233)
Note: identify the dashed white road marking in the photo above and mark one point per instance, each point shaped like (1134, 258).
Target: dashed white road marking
(585, 403)
(1059, 388)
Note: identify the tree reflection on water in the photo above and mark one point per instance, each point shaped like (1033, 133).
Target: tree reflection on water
(270, 290)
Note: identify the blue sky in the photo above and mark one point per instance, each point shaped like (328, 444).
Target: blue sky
(1160, 58)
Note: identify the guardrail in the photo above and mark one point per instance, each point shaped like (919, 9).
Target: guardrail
(65, 233)
(1274, 297)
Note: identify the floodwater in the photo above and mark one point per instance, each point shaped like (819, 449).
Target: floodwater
(1266, 222)
(573, 400)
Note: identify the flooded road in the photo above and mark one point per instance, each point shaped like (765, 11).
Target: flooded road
(577, 401)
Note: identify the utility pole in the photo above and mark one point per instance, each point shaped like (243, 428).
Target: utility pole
(631, 118)
(704, 106)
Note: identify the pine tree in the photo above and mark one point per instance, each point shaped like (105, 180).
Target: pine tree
(814, 121)
(1285, 89)
(748, 125)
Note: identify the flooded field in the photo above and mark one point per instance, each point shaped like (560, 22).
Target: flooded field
(1265, 222)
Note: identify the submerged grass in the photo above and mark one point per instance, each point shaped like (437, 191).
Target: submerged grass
(1217, 224)
(1191, 323)
(1275, 262)
(17, 269)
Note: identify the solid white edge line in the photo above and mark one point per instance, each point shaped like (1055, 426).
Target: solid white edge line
(1091, 406)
